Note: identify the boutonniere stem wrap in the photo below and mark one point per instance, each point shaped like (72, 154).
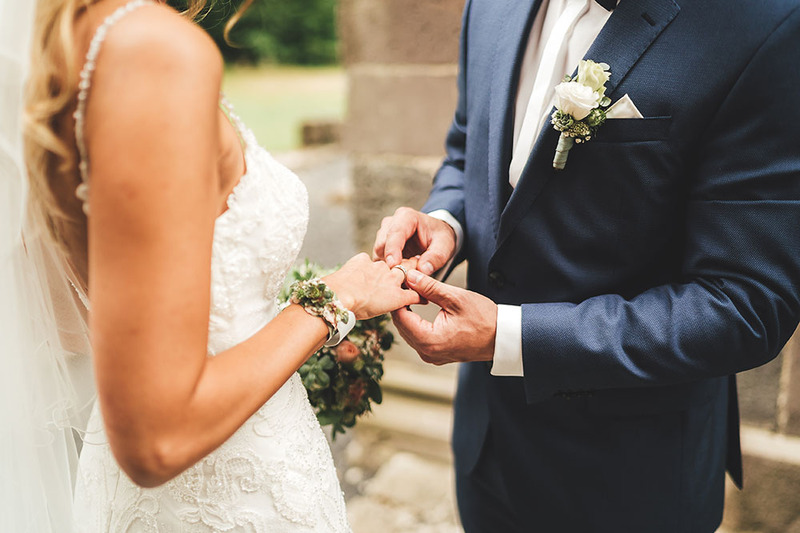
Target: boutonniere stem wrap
(581, 105)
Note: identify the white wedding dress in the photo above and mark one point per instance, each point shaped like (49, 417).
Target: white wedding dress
(276, 473)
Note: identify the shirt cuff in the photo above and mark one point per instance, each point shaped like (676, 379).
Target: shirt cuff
(508, 342)
(445, 216)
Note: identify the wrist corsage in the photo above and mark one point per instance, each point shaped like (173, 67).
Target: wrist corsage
(342, 381)
(318, 299)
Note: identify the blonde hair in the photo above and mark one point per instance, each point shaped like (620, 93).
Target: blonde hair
(50, 151)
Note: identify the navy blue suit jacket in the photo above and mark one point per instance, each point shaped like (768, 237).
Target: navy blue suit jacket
(664, 259)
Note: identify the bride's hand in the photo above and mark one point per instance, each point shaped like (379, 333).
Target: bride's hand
(370, 288)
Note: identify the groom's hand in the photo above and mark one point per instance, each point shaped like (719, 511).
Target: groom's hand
(409, 233)
(464, 330)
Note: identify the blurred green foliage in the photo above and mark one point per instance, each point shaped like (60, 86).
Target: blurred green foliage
(296, 32)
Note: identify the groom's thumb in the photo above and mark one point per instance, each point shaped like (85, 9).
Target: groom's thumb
(430, 289)
(433, 258)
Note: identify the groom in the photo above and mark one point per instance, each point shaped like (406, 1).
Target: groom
(612, 302)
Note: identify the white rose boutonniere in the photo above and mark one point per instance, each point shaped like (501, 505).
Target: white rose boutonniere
(581, 106)
(576, 100)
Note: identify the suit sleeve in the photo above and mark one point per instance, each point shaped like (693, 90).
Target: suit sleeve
(738, 300)
(448, 184)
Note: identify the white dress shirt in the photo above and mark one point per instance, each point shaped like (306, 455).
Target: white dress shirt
(560, 36)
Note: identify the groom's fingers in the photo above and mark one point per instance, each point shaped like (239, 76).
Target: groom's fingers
(380, 240)
(395, 233)
(420, 335)
(402, 226)
(413, 328)
(436, 256)
(430, 289)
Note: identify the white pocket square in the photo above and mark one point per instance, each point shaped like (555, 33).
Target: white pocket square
(623, 108)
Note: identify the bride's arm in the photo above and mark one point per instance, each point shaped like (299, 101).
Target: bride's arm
(153, 140)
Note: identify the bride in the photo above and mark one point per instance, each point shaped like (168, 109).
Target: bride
(176, 231)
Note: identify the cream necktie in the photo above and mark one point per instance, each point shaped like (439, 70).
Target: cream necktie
(553, 58)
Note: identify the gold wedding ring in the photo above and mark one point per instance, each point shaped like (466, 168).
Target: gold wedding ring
(403, 270)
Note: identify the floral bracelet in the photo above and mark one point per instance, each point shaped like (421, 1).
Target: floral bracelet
(319, 300)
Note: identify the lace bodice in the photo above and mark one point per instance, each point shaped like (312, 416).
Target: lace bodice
(275, 474)
(256, 241)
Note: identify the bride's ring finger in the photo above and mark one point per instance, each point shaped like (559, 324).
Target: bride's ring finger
(402, 269)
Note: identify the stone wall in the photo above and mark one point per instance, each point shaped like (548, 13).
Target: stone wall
(401, 60)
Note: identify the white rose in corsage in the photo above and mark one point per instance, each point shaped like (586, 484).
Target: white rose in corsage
(581, 106)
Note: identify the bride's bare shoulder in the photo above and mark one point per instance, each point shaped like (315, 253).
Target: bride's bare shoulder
(155, 91)
(155, 39)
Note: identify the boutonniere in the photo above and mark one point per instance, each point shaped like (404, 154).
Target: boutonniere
(581, 105)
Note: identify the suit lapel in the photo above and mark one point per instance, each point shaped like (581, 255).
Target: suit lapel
(633, 26)
(512, 40)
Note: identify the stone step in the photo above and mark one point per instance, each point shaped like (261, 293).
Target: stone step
(407, 494)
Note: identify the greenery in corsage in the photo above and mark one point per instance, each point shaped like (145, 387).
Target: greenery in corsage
(318, 300)
(342, 381)
(581, 105)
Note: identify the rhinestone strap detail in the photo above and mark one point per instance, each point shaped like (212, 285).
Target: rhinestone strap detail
(82, 192)
(241, 129)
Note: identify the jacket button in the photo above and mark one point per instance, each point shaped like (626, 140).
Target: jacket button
(496, 279)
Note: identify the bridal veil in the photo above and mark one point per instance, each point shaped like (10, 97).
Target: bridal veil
(46, 385)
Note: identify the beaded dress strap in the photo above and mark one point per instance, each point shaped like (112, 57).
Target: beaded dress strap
(245, 134)
(82, 192)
